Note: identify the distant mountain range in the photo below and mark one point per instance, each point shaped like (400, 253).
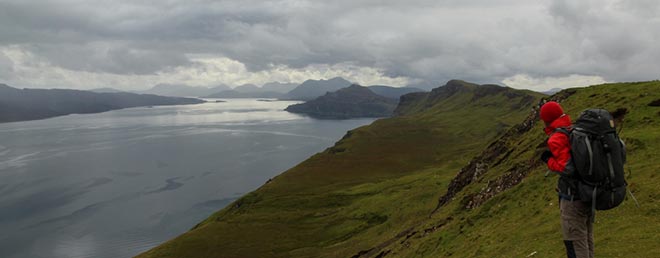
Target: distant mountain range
(248, 88)
(233, 94)
(279, 87)
(180, 90)
(106, 90)
(268, 90)
(351, 102)
(31, 104)
(308, 90)
(311, 89)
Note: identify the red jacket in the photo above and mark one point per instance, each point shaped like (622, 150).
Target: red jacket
(559, 145)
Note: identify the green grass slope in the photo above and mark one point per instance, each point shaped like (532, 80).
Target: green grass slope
(376, 182)
(501, 205)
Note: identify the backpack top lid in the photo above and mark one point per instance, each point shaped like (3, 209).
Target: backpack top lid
(595, 121)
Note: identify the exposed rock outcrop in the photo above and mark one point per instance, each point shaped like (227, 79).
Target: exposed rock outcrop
(492, 156)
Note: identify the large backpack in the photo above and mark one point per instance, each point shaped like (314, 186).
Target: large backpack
(598, 155)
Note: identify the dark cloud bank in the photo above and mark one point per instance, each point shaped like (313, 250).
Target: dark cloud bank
(480, 41)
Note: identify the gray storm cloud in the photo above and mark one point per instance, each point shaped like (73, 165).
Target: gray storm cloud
(6, 66)
(110, 58)
(481, 41)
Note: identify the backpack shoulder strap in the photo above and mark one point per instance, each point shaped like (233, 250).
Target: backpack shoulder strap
(564, 130)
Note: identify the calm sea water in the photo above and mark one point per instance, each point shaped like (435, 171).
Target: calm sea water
(118, 183)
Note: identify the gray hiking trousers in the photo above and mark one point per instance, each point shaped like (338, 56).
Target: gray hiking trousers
(577, 228)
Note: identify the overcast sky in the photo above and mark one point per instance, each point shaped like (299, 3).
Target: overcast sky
(138, 43)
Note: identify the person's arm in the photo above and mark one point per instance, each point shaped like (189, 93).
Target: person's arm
(561, 152)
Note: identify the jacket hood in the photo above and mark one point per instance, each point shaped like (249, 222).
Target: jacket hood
(562, 121)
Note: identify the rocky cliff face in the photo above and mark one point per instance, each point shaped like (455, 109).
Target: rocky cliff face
(494, 155)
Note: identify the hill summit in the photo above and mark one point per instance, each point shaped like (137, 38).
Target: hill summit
(421, 101)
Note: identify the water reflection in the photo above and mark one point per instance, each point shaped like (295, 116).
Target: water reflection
(118, 183)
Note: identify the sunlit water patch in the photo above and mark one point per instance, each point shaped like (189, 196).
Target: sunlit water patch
(115, 184)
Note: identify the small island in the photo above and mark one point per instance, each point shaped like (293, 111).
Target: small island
(354, 101)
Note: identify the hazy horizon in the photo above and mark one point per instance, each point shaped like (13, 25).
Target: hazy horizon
(142, 88)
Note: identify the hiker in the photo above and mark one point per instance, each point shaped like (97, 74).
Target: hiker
(576, 216)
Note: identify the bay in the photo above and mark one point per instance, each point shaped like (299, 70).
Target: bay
(118, 183)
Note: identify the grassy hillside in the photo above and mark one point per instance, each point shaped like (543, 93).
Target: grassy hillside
(501, 205)
(376, 182)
